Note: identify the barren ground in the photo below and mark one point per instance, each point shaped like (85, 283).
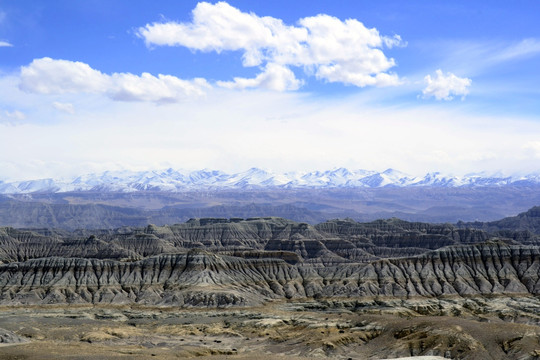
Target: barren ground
(281, 329)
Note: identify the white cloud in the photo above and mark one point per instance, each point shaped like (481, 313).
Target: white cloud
(15, 115)
(50, 76)
(65, 107)
(395, 40)
(445, 87)
(4, 43)
(524, 48)
(481, 57)
(324, 46)
(234, 131)
(160, 89)
(533, 147)
(274, 77)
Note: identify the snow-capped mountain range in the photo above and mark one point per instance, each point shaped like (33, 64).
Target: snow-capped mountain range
(173, 180)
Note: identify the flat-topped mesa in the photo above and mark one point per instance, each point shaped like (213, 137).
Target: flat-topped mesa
(329, 243)
(137, 243)
(381, 229)
(210, 221)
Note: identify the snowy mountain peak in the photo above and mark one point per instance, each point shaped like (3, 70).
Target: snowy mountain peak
(255, 178)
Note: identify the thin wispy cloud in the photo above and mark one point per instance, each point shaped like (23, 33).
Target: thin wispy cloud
(12, 117)
(522, 49)
(3, 42)
(65, 107)
(15, 114)
(481, 57)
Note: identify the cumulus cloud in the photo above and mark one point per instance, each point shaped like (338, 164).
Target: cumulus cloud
(445, 87)
(65, 107)
(5, 44)
(50, 76)
(324, 46)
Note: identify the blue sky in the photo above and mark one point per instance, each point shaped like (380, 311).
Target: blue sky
(89, 86)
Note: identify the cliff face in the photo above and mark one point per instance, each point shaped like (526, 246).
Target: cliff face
(137, 243)
(228, 262)
(195, 278)
(333, 242)
(200, 278)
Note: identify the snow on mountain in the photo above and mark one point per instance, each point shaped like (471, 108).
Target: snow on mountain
(41, 185)
(389, 177)
(205, 177)
(250, 178)
(439, 180)
(254, 178)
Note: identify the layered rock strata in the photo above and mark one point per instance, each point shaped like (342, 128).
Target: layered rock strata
(200, 278)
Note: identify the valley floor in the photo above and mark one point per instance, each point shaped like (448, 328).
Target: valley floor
(475, 328)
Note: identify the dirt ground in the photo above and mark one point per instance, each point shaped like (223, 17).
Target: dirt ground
(291, 330)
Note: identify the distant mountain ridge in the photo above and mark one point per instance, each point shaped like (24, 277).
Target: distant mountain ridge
(174, 181)
(528, 221)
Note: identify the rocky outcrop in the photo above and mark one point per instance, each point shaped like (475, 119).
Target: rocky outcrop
(489, 268)
(10, 338)
(195, 278)
(331, 243)
(231, 262)
(399, 233)
(201, 278)
(137, 243)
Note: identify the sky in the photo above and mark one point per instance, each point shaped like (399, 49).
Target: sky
(419, 86)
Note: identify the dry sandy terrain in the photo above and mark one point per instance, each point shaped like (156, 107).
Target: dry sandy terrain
(292, 330)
